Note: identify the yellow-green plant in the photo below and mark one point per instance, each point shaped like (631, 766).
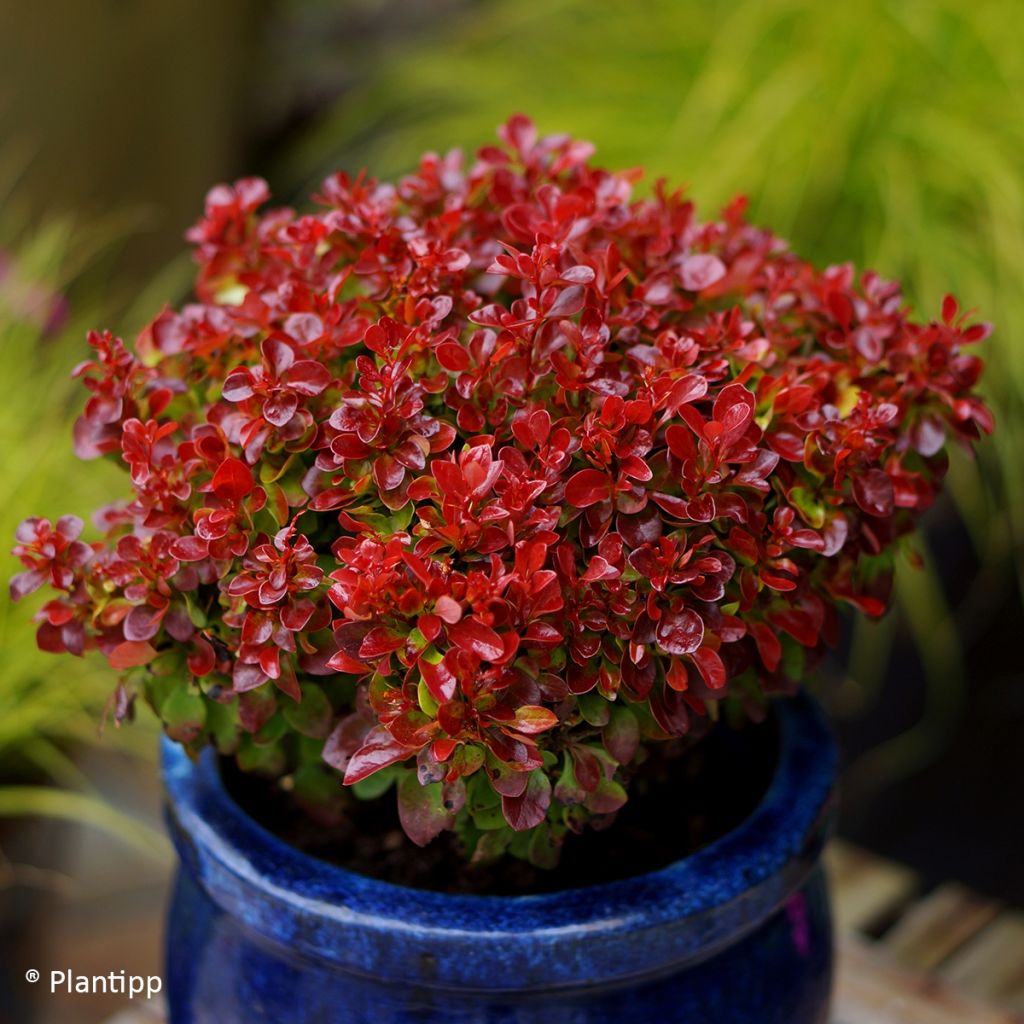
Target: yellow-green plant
(48, 714)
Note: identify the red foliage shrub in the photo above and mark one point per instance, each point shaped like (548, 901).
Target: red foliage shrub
(482, 482)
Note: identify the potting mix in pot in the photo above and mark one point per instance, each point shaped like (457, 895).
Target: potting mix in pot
(471, 504)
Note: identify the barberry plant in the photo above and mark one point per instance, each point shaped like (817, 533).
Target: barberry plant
(477, 485)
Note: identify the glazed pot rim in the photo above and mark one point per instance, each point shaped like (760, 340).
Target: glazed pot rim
(696, 904)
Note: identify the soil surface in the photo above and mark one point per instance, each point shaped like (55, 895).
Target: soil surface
(679, 802)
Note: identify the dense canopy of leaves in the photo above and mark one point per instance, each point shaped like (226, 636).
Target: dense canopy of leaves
(478, 484)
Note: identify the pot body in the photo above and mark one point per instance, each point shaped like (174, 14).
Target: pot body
(738, 932)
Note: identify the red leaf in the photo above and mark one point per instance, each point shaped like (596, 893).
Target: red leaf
(690, 388)
(379, 750)
(288, 684)
(201, 660)
(25, 583)
(675, 507)
(710, 666)
(237, 385)
(348, 736)
(233, 480)
(768, 645)
(190, 549)
(280, 407)
(441, 682)
(473, 636)
(131, 654)
(568, 303)
(453, 357)
(680, 632)
(413, 729)
(701, 271)
(680, 442)
(448, 608)
(380, 641)
(308, 377)
(587, 487)
(530, 808)
(143, 622)
(578, 275)
(443, 748)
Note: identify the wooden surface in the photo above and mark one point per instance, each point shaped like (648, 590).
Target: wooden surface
(905, 955)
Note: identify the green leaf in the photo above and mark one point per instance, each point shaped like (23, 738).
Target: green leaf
(594, 709)
(273, 730)
(427, 703)
(375, 785)
(222, 725)
(184, 715)
(313, 786)
(314, 716)
(491, 845)
(811, 511)
(266, 760)
(196, 614)
(85, 809)
(545, 847)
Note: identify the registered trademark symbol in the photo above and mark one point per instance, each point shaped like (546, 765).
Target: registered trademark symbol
(32, 976)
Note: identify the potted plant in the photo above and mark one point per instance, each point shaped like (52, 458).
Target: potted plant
(491, 508)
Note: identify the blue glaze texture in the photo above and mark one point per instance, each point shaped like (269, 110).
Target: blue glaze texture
(738, 933)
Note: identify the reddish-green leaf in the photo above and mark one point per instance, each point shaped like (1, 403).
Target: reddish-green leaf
(421, 809)
(532, 719)
(379, 749)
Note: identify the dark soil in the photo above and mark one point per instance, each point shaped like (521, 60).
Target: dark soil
(677, 805)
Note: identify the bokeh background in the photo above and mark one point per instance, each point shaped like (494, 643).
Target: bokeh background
(889, 132)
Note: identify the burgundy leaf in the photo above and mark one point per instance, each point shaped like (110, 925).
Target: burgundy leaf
(680, 632)
(530, 808)
(873, 491)
(710, 666)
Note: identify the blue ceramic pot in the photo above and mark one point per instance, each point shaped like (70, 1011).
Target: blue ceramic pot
(738, 932)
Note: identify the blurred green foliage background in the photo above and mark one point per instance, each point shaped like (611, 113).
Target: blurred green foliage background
(889, 132)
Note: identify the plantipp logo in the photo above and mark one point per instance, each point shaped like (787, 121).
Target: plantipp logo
(114, 983)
